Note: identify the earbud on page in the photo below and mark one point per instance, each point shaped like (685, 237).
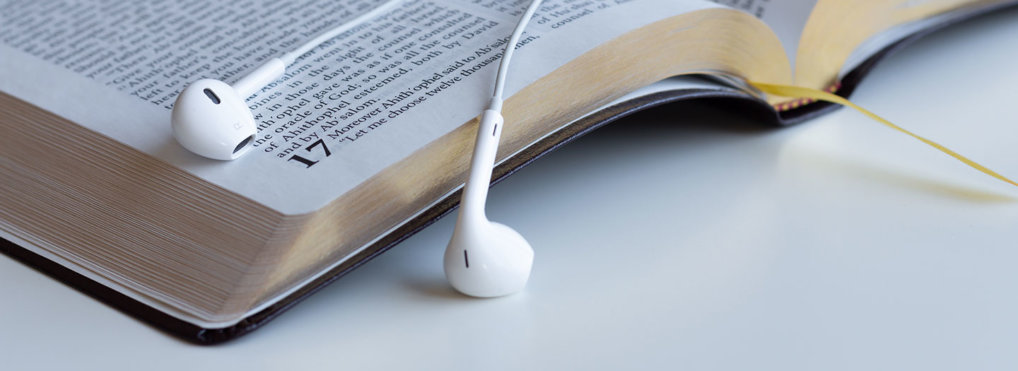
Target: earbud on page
(210, 119)
(220, 125)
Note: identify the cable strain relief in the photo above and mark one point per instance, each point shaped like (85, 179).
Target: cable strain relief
(495, 104)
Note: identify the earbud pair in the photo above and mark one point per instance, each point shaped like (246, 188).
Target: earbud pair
(483, 258)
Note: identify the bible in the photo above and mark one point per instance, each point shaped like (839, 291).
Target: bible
(366, 139)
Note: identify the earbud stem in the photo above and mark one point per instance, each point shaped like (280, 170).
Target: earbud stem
(261, 77)
(485, 148)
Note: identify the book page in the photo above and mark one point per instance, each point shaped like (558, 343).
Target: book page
(787, 18)
(342, 113)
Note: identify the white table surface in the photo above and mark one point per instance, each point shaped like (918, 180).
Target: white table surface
(689, 238)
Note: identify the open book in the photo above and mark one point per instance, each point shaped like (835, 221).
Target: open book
(366, 139)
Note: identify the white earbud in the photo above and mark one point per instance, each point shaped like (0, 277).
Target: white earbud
(484, 258)
(210, 117)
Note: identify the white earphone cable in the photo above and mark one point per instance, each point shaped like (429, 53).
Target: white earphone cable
(291, 57)
(503, 66)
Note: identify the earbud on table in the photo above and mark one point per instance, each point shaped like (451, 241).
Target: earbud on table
(484, 258)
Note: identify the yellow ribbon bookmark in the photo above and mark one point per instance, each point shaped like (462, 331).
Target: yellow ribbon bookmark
(800, 92)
